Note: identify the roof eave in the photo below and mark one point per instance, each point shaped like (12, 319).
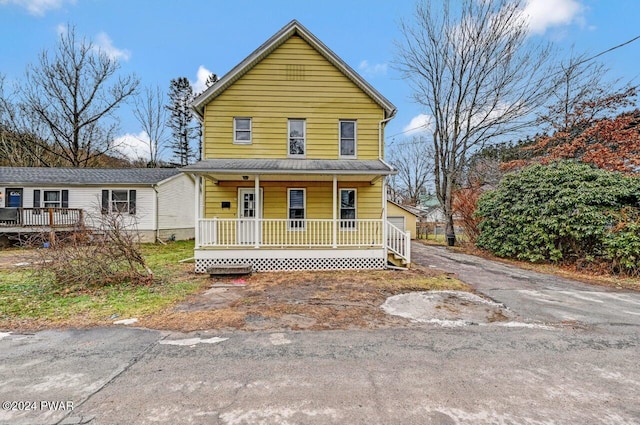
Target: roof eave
(283, 172)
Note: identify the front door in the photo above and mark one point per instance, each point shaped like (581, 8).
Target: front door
(14, 198)
(247, 215)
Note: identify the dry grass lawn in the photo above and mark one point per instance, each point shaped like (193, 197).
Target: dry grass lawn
(302, 300)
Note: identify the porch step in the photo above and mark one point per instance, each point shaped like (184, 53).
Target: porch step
(397, 260)
(232, 269)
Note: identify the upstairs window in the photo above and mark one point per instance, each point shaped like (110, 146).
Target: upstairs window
(347, 139)
(242, 131)
(297, 138)
(296, 209)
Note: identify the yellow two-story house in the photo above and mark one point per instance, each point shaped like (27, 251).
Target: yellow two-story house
(292, 175)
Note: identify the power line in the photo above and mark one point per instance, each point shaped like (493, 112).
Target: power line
(609, 50)
(425, 126)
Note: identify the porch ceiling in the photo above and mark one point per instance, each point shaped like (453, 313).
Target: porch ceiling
(288, 169)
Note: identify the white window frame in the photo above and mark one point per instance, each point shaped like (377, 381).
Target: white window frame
(355, 139)
(304, 138)
(237, 141)
(343, 224)
(304, 210)
(44, 202)
(112, 201)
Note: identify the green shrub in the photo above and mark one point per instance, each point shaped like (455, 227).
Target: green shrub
(565, 211)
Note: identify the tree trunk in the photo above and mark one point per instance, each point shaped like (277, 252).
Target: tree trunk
(450, 233)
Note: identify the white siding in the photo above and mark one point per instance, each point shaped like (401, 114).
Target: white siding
(176, 200)
(88, 199)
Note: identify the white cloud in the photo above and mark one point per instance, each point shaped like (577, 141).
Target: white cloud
(133, 146)
(200, 84)
(373, 70)
(61, 29)
(544, 14)
(104, 44)
(418, 124)
(37, 7)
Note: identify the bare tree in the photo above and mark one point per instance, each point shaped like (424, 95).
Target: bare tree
(150, 112)
(475, 69)
(69, 97)
(414, 161)
(17, 142)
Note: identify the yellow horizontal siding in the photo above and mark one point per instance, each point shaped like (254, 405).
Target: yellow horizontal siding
(409, 219)
(319, 201)
(264, 93)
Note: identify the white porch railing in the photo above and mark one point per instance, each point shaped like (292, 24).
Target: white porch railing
(399, 242)
(284, 233)
(289, 233)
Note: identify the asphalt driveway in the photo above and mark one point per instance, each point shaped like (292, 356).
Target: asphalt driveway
(535, 297)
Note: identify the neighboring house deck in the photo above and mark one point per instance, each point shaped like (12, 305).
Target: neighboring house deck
(158, 202)
(293, 174)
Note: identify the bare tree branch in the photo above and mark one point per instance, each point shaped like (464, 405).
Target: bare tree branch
(475, 69)
(69, 97)
(151, 114)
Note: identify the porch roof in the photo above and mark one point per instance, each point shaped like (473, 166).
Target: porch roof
(352, 167)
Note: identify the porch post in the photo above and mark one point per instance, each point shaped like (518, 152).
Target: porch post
(257, 212)
(335, 211)
(384, 215)
(197, 211)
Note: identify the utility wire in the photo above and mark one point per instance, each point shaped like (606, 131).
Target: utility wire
(577, 64)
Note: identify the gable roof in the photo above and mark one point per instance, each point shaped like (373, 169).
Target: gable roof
(292, 28)
(409, 209)
(84, 176)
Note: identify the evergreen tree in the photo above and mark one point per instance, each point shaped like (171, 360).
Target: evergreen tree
(181, 120)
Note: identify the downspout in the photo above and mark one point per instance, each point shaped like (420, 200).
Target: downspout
(384, 184)
(156, 218)
(380, 139)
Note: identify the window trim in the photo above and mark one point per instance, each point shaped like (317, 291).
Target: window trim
(304, 210)
(112, 201)
(355, 139)
(346, 225)
(44, 202)
(236, 141)
(108, 203)
(304, 138)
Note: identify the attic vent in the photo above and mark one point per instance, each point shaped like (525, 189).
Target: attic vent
(295, 72)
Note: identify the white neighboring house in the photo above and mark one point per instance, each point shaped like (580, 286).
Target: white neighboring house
(160, 201)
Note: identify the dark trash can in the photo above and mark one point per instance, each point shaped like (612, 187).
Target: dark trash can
(451, 240)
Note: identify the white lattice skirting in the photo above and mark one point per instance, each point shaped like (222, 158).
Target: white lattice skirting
(280, 261)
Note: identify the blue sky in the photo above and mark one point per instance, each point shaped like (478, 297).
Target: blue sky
(164, 39)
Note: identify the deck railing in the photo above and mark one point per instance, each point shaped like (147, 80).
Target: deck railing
(41, 217)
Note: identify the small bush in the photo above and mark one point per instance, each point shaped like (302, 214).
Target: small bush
(88, 258)
(465, 204)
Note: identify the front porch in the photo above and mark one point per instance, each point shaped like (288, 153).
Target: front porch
(295, 215)
(284, 244)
